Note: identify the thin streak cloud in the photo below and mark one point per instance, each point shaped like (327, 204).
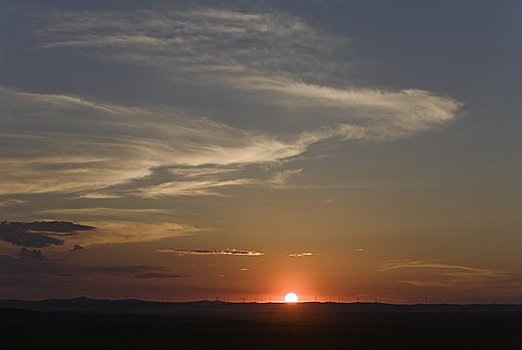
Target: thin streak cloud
(301, 255)
(438, 274)
(225, 252)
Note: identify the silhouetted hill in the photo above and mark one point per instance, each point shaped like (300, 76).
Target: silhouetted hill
(88, 324)
(134, 306)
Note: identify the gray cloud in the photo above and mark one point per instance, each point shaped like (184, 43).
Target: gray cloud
(11, 202)
(16, 266)
(39, 234)
(52, 227)
(153, 275)
(76, 248)
(34, 263)
(31, 254)
(98, 212)
(125, 270)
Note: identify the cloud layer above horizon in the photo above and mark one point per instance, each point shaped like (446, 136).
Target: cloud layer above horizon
(331, 147)
(72, 144)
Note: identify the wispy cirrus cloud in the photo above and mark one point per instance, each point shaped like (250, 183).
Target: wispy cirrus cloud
(417, 264)
(11, 202)
(266, 57)
(199, 40)
(121, 231)
(69, 144)
(107, 145)
(196, 181)
(214, 185)
(104, 212)
(439, 274)
(224, 252)
(358, 113)
(192, 188)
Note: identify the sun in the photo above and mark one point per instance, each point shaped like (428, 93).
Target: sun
(291, 298)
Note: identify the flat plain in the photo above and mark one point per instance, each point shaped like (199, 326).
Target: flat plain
(211, 325)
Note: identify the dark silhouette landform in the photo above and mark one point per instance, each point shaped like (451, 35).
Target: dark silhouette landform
(84, 323)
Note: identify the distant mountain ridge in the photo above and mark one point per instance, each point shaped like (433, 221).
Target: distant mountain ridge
(135, 306)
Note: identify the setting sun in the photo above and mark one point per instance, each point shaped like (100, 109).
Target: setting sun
(291, 298)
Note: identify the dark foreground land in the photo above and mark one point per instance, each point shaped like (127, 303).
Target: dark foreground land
(87, 324)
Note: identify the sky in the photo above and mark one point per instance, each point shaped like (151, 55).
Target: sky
(240, 150)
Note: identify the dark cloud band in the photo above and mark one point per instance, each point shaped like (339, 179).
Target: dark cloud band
(39, 234)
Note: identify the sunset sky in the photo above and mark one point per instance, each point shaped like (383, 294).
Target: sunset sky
(187, 150)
